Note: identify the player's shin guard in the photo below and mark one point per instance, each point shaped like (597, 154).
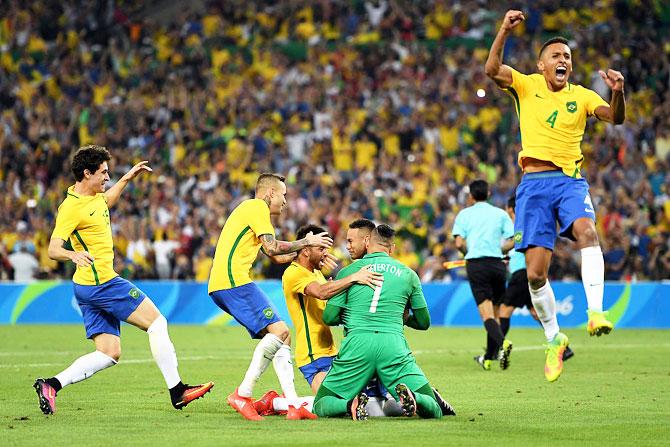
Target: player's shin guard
(84, 367)
(163, 351)
(263, 355)
(593, 277)
(545, 306)
(284, 369)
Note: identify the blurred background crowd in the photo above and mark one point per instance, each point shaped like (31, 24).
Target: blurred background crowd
(371, 108)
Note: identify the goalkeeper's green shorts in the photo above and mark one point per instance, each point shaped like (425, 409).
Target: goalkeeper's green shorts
(366, 354)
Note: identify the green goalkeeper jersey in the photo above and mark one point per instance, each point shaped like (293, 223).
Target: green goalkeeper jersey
(380, 309)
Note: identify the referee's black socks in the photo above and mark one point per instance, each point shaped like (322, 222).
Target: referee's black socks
(504, 326)
(494, 340)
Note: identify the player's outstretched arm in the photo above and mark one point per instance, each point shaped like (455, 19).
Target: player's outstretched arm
(112, 194)
(495, 69)
(273, 247)
(616, 112)
(57, 252)
(331, 288)
(283, 259)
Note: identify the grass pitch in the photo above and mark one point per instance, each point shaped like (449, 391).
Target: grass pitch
(615, 391)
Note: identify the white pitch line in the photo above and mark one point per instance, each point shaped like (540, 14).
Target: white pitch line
(416, 352)
(542, 348)
(129, 361)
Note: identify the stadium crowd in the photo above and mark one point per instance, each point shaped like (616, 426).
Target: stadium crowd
(378, 109)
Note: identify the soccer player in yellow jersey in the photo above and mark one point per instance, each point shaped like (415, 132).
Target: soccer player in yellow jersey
(104, 298)
(247, 230)
(552, 116)
(306, 292)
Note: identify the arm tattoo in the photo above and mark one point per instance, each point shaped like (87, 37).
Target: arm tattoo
(273, 247)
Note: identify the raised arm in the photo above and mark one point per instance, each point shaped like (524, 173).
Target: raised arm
(495, 69)
(57, 252)
(331, 288)
(112, 194)
(273, 247)
(615, 113)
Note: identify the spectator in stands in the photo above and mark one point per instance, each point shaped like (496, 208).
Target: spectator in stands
(373, 109)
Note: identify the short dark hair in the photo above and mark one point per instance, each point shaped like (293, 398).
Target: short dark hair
(557, 39)
(88, 157)
(383, 234)
(302, 231)
(511, 202)
(479, 190)
(266, 178)
(362, 223)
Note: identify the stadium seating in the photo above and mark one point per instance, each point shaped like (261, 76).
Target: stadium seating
(370, 109)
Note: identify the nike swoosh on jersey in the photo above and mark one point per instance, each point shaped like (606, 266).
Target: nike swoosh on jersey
(538, 96)
(92, 213)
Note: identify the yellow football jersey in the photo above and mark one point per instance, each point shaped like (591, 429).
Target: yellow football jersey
(84, 221)
(238, 245)
(552, 123)
(313, 338)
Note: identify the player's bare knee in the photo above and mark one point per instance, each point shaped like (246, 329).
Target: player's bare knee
(283, 334)
(280, 330)
(536, 279)
(588, 237)
(585, 233)
(114, 352)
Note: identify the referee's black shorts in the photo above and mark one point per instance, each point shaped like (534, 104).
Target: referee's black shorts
(517, 293)
(487, 279)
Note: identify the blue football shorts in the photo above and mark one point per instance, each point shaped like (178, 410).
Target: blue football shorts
(103, 307)
(322, 364)
(544, 199)
(249, 306)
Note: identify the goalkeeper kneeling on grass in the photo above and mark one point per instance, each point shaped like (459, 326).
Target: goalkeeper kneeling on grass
(375, 343)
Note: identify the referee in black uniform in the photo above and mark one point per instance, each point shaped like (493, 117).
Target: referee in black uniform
(480, 230)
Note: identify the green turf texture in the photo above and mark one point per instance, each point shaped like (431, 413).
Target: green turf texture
(615, 391)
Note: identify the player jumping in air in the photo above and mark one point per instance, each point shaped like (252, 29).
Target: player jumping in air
(104, 298)
(247, 230)
(517, 294)
(552, 115)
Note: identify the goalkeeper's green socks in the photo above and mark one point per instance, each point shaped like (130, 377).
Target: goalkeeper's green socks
(330, 406)
(427, 406)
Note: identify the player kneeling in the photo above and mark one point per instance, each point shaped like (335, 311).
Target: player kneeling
(375, 343)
